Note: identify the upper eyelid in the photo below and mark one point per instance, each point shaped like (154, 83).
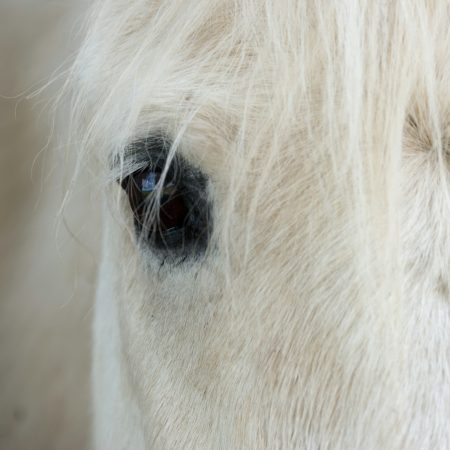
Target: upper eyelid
(123, 167)
(140, 154)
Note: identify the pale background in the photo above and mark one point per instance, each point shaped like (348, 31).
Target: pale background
(47, 277)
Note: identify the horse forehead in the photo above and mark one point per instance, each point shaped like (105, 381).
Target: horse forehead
(145, 46)
(161, 78)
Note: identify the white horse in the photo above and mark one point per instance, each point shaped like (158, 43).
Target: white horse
(275, 258)
(275, 262)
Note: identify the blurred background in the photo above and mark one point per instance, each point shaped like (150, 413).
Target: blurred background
(47, 259)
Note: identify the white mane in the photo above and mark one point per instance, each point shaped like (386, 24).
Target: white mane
(321, 317)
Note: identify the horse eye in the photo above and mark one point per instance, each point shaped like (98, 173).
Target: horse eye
(171, 213)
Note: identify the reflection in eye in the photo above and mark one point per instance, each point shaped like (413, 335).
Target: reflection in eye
(171, 213)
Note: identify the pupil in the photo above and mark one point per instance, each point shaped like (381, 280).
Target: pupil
(173, 212)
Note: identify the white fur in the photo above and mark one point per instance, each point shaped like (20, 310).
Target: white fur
(320, 316)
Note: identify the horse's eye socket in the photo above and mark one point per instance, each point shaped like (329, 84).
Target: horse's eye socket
(171, 215)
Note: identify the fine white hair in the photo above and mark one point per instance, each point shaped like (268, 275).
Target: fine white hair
(315, 120)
